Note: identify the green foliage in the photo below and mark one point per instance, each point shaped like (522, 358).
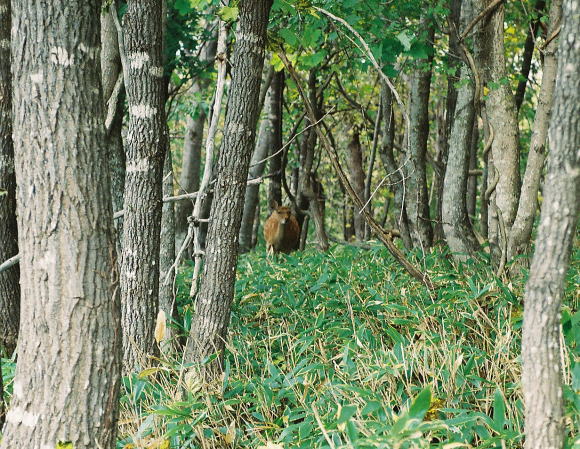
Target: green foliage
(344, 347)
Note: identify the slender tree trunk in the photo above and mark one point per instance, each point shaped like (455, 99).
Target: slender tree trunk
(357, 176)
(541, 351)
(456, 225)
(417, 198)
(395, 171)
(347, 216)
(441, 166)
(503, 161)
(67, 376)
(111, 70)
(471, 197)
(9, 288)
(269, 140)
(275, 164)
(521, 231)
(194, 126)
(211, 319)
(528, 53)
(146, 147)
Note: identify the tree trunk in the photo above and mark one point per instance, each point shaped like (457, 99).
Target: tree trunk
(9, 288)
(146, 147)
(275, 164)
(451, 101)
(503, 161)
(210, 322)
(541, 351)
(521, 231)
(111, 70)
(67, 376)
(189, 179)
(417, 198)
(393, 169)
(471, 197)
(456, 225)
(357, 177)
(269, 139)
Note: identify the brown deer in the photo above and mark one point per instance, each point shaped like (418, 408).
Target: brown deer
(281, 230)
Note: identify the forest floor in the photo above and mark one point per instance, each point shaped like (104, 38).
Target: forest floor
(342, 350)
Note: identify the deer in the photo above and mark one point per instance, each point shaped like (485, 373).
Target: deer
(281, 230)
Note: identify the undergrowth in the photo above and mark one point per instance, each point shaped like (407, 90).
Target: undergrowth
(343, 350)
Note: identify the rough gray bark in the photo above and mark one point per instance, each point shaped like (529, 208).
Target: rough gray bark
(503, 162)
(145, 149)
(68, 371)
(357, 178)
(210, 322)
(417, 198)
(111, 70)
(471, 196)
(541, 352)
(9, 288)
(456, 225)
(275, 163)
(521, 231)
(393, 168)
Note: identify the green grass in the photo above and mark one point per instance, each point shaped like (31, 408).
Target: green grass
(344, 350)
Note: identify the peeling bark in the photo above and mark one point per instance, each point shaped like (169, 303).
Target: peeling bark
(541, 351)
(68, 370)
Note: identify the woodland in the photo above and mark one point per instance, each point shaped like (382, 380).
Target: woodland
(281, 224)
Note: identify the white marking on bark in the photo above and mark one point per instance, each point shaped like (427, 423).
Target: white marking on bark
(3, 9)
(138, 59)
(131, 274)
(18, 389)
(238, 128)
(139, 165)
(143, 111)
(156, 71)
(18, 415)
(37, 77)
(60, 56)
(5, 44)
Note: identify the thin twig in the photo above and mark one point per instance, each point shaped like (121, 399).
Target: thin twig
(480, 16)
(9, 263)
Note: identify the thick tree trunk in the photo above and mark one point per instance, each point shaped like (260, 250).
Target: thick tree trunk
(503, 162)
(191, 166)
(210, 322)
(456, 225)
(357, 178)
(111, 70)
(395, 172)
(521, 231)
(275, 164)
(9, 288)
(67, 376)
(417, 198)
(441, 166)
(146, 147)
(541, 351)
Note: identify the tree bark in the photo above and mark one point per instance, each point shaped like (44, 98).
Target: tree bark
(146, 147)
(67, 376)
(210, 322)
(9, 288)
(503, 161)
(189, 179)
(417, 198)
(275, 164)
(450, 103)
(111, 70)
(541, 352)
(521, 231)
(393, 168)
(456, 225)
(471, 196)
(357, 176)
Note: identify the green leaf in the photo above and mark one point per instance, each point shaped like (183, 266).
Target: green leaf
(498, 411)
(420, 405)
(346, 412)
(405, 38)
(229, 13)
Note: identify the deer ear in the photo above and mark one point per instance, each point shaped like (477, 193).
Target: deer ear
(274, 205)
